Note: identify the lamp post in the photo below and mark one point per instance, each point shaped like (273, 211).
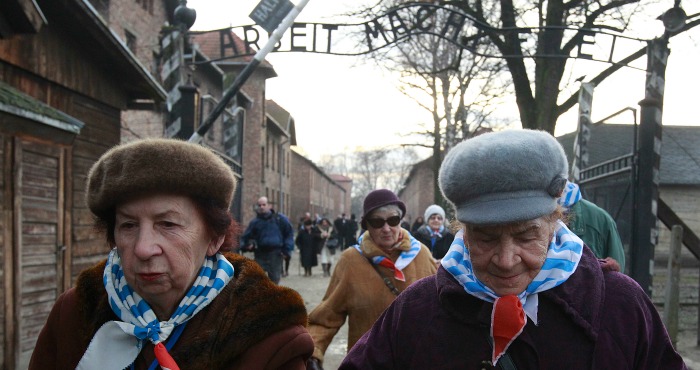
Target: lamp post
(646, 195)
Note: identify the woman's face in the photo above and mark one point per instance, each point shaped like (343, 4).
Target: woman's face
(435, 221)
(506, 258)
(385, 236)
(162, 242)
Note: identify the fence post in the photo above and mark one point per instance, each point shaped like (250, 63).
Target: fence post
(671, 304)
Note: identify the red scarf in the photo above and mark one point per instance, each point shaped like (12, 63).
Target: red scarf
(507, 322)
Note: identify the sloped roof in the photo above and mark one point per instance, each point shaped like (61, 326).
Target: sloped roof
(680, 152)
(14, 102)
(317, 168)
(209, 43)
(340, 178)
(282, 119)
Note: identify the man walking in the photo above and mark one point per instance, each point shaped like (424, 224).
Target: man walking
(271, 237)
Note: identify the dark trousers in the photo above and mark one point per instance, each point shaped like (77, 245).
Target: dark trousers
(271, 262)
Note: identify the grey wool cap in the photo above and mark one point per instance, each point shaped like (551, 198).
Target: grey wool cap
(503, 177)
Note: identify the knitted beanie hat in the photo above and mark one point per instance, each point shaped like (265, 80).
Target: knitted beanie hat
(379, 198)
(504, 177)
(432, 210)
(158, 166)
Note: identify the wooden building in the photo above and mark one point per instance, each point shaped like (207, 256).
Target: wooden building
(66, 79)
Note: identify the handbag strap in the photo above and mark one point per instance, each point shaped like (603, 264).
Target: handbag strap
(505, 362)
(387, 280)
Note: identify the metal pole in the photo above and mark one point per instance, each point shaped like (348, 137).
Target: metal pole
(645, 221)
(247, 72)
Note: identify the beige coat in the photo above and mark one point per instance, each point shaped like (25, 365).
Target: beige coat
(357, 292)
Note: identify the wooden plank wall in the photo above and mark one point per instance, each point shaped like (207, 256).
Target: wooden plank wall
(53, 56)
(5, 220)
(40, 210)
(100, 133)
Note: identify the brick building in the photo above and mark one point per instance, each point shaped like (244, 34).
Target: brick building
(314, 191)
(346, 183)
(417, 191)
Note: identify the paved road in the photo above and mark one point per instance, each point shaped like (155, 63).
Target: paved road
(313, 288)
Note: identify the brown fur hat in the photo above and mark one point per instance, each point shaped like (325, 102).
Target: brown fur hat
(158, 165)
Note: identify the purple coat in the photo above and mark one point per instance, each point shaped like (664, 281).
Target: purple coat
(595, 320)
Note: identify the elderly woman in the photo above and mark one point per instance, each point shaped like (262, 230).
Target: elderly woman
(517, 289)
(434, 234)
(368, 276)
(166, 295)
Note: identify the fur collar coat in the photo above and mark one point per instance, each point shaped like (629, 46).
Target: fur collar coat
(251, 324)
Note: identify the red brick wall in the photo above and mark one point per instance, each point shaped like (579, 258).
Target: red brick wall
(418, 191)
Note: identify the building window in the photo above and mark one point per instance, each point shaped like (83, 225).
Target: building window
(130, 41)
(147, 5)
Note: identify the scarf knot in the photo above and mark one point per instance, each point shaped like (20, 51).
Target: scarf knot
(150, 332)
(570, 196)
(117, 343)
(406, 256)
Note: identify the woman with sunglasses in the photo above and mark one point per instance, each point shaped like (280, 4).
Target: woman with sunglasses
(369, 275)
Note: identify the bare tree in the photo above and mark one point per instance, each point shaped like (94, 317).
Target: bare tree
(379, 168)
(537, 69)
(459, 89)
(337, 163)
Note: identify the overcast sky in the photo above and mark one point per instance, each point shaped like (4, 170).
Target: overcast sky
(340, 103)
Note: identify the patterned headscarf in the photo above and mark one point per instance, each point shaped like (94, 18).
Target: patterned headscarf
(117, 343)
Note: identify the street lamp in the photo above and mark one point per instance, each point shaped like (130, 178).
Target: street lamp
(674, 18)
(184, 16)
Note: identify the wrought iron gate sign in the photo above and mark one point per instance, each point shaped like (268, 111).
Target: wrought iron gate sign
(403, 22)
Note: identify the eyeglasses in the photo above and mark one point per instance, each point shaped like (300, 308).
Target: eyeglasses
(378, 223)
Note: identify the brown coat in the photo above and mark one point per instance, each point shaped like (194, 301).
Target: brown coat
(357, 292)
(251, 324)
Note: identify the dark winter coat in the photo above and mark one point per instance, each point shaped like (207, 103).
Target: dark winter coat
(270, 231)
(252, 324)
(439, 246)
(595, 320)
(306, 243)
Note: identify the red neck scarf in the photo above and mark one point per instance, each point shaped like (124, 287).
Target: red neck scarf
(507, 322)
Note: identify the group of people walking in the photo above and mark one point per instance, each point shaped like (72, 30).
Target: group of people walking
(515, 287)
(322, 240)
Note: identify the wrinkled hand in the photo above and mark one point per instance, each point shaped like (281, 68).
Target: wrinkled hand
(609, 264)
(314, 364)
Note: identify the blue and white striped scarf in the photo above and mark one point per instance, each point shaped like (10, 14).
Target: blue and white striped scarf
(405, 257)
(117, 343)
(563, 256)
(571, 195)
